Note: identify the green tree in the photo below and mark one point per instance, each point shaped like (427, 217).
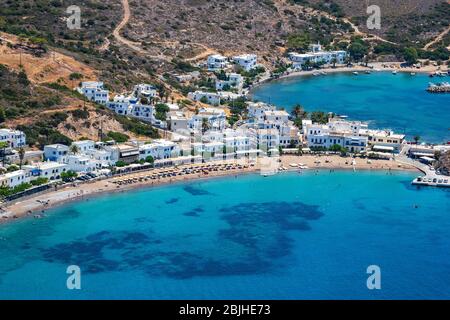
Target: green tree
(21, 156)
(410, 55)
(416, 139)
(2, 115)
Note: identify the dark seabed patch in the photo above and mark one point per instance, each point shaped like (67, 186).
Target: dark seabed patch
(194, 213)
(257, 234)
(196, 191)
(172, 200)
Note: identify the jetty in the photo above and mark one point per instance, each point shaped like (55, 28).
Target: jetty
(439, 88)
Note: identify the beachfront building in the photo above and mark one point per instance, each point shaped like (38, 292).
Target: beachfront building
(80, 163)
(217, 62)
(54, 152)
(51, 170)
(14, 138)
(317, 55)
(327, 136)
(246, 61)
(215, 118)
(144, 90)
(94, 91)
(266, 139)
(159, 149)
(232, 81)
(15, 178)
(384, 140)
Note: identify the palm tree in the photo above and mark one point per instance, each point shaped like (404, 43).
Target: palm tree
(416, 139)
(205, 125)
(21, 156)
(3, 146)
(74, 149)
(334, 61)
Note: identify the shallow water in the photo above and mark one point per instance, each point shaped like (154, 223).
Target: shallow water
(288, 236)
(399, 102)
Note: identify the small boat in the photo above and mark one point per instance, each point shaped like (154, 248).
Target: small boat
(394, 72)
(323, 73)
(315, 74)
(355, 73)
(413, 73)
(368, 72)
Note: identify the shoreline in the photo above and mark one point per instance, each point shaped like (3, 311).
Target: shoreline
(391, 66)
(37, 205)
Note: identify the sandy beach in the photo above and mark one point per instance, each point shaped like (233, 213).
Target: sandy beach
(377, 67)
(37, 205)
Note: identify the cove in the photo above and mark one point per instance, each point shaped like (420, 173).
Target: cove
(399, 102)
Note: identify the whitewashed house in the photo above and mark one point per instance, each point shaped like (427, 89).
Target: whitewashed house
(212, 98)
(84, 146)
(216, 119)
(177, 121)
(51, 170)
(14, 138)
(233, 81)
(15, 178)
(145, 90)
(79, 163)
(317, 55)
(94, 91)
(256, 110)
(246, 61)
(159, 149)
(54, 152)
(217, 62)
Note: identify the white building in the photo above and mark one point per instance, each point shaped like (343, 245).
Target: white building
(384, 140)
(233, 81)
(94, 91)
(145, 90)
(159, 149)
(54, 152)
(79, 163)
(14, 138)
(84, 146)
(326, 136)
(317, 55)
(177, 121)
(246, 61)
(130, 106)
(215, 118)
(217, 62)
(256, 110)
(212, 98)
(51, 170)
(15, 178)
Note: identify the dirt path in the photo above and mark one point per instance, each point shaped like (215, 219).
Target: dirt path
(133, 45)
(437, 39)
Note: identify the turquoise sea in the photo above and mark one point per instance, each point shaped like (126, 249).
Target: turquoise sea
(290, 236)
(399, 102)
